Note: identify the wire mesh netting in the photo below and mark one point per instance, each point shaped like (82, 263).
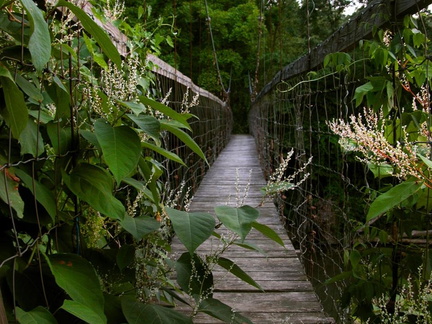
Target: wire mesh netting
(211, 129)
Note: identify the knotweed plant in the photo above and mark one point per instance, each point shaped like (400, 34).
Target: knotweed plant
(366, 134)
(412, 304)
(280, 180)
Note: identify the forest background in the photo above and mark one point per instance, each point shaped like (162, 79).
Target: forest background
(252, 39)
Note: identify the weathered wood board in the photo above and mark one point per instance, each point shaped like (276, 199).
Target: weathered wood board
(288, 296)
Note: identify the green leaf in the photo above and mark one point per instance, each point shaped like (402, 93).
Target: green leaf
(60, 137)
(99, 60)
(84, 312)
(95, 186)
(149, 124)
(9, 192)
(43, 195)
(426, 161)
(269, 232)
(15, 114)
(249, 246)
(79, 279)
(40, 39)
(93, 29)
(125, 256)
(392, 198)
(219, 310)
(361, 91)
(61, 97)
(141, 186)
(169, 155)
(239, 220)
(167, 111)
(31, 140)
(194, 276)
(139, 226)
(237, 271)
(355, 258)
(139, 313)
(339, 277)
(136, 107)
(29, 88)
(381, 170)
(184, 137)
(38, 315)
(192, 229)
(121, 148)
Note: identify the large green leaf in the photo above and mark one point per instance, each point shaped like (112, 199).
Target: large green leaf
(169, 155)
(381, 170)
(194, 276)
(15, 114)
(141, 186)
(139, 226)
(184, 137)
(139, 313)
(43, 195)
(84, 312)
(9, 191)
(31, 140)
(167, 111)
(60, 95)
(125, 256)
(239, 220)
(60, 137)
(249, 246)
(38, 315)
(237, 271)
(40, 40)
(136, 107)
(79, 279)
(392, 198)
(269, 232)
(121, 148)
(95, 186)
(93, 29)
(219, 310)
(149, 124)
(29, 88)
(192, 229)
(361, 91)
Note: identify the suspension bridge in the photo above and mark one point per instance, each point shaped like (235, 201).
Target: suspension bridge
(289, 112)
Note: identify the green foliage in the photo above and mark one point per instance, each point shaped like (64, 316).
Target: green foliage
(384, 255)
(138, 313)
(85, 233)
(238, 220)
(192, 229)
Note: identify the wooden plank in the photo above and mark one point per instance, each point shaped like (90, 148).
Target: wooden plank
(279, 318)
(163, 68)
(287, 292)
(376, 15)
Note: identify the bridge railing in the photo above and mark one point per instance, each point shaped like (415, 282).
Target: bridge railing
(211, 129)
(291, 111)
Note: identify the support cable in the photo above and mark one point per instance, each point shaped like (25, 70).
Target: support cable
(226, 91)
(260, 31)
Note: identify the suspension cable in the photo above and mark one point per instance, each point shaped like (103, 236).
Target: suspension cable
(260, 31)
(226, 92)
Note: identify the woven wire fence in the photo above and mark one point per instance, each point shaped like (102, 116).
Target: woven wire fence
(316, 214)
(320, 215)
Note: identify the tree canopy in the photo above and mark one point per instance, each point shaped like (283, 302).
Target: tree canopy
(251, 40)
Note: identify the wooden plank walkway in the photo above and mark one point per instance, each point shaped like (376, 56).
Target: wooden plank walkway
(288, 296)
